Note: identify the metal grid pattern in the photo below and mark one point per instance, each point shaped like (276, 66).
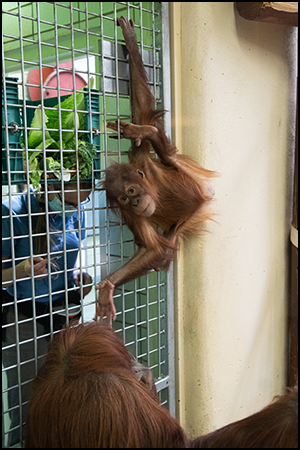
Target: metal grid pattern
(82, 40)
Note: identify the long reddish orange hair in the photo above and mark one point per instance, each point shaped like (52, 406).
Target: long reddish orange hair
(86, 395)
(275, 426)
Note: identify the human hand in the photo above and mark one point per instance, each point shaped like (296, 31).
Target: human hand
(105, 303)
(39, 267)
(86, 279)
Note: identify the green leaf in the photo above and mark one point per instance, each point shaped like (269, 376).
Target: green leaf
(87, 153)
(36, 174)
(35, 137)
(72, 143)
(49, 143)
(54, 165)
(68, 118)
(69, 161)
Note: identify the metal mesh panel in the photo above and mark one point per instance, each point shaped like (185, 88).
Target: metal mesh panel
(51, 50)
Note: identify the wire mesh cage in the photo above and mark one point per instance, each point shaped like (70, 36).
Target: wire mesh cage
(51, 52)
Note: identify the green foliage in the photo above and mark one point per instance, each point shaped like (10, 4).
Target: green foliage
(69, 120)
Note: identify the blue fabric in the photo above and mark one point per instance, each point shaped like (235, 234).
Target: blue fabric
(19, 206)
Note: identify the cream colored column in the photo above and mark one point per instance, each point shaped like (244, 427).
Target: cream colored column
(232, 110)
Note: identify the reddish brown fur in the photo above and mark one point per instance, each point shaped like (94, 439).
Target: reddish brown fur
(178, 198)
(174, 188)
(117, 175)
(86, 395)
(276, 426)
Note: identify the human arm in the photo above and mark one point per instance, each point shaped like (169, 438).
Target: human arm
(24, 270)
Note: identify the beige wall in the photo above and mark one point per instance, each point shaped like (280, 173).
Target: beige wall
(232, 104)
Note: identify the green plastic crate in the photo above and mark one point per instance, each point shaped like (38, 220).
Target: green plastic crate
(12, 150)
(14, 113)
(94, 107)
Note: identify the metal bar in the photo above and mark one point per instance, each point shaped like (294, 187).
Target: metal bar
(31, 259)
(91, 134)
(11, 229)
(60, 146)
(119, 144)
(166, 77)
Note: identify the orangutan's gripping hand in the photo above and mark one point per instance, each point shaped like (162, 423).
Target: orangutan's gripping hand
(105, 304)
(133, 131)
